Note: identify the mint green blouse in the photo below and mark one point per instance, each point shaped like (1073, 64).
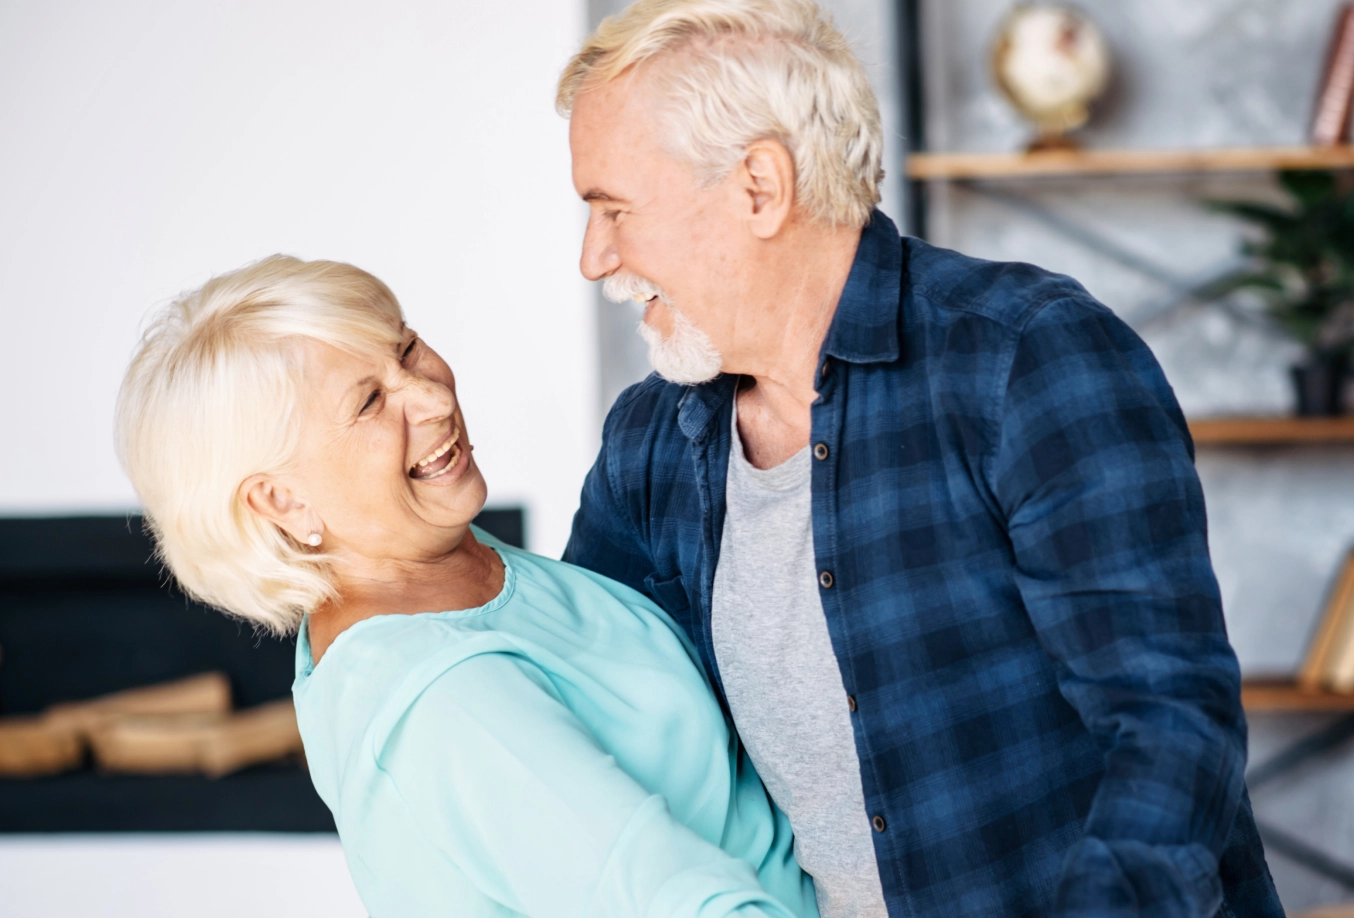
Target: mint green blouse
(555, 752)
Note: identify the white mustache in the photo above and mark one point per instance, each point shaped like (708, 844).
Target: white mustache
(621, 287)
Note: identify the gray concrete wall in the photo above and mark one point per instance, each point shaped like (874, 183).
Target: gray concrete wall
(1189, 74)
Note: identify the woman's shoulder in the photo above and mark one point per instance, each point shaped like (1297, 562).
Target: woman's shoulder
(541, 579)
(593, 602)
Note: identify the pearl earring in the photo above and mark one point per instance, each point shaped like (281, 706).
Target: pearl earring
(314, 540)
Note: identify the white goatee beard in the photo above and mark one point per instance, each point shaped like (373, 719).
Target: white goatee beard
(687, 356)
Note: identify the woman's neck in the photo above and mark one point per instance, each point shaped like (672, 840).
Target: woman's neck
(468, 576)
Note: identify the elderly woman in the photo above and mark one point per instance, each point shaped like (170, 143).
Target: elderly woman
(496, 733)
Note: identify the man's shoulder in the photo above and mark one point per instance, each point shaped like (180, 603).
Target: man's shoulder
(651, 399)
(944, 285)
(645, 415)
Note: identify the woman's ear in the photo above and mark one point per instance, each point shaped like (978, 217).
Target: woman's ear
(269, 498)
(767, 174)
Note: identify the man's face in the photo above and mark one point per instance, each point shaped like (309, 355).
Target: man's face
(652, 217)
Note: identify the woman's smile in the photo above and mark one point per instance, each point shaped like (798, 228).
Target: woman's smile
(445, 464)
(440, 459)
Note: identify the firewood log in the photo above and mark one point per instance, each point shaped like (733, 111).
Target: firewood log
(32, 746)
(213, 744)
(207, 693)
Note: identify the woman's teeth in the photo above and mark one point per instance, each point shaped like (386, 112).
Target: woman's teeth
(451, 464)
(422, 469)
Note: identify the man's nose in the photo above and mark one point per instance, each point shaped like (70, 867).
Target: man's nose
(600, 257)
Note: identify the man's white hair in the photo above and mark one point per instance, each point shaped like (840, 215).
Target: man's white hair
(214, 396)
(737, 71)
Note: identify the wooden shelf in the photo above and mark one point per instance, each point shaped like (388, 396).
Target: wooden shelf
(1261, 696)
(1124, 162)
(1271, 431)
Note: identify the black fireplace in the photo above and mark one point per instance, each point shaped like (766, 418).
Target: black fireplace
(85, 610)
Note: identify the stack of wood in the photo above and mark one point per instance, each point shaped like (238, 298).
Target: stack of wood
(181, 727)
(1329, 665)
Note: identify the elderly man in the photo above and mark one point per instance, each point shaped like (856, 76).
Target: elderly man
(931, 522)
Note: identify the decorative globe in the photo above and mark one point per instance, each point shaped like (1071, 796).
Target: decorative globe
(1051, 63)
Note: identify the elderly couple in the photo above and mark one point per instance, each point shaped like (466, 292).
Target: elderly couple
(924, 529)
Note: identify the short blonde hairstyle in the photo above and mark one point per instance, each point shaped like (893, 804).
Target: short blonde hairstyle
(737, 71)
(212, 397)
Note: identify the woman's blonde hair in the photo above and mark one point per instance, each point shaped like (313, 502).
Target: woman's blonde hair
(213, 397)
(738, 71)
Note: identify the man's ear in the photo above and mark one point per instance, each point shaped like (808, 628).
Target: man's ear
(767, 176)
(269, 498)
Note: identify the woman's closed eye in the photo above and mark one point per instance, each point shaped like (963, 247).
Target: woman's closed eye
(371, 400)
(409, 350)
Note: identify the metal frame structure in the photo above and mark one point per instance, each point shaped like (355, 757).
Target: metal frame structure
(912, 93)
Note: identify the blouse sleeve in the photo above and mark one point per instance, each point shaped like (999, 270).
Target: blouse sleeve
(515, 792)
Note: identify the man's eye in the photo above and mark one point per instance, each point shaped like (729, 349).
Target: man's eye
(409, 350)
(371, 400)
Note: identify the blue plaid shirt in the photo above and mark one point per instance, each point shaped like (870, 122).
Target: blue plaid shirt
(1014, 569)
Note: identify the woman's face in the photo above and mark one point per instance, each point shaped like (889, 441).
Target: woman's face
(385, 461)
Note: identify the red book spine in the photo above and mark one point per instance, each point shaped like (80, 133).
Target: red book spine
(1336, 100)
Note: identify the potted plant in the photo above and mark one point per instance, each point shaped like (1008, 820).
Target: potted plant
(1303, 267)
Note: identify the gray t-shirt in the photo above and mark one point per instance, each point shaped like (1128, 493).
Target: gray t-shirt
(784, 687)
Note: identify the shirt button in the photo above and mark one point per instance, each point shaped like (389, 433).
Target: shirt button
(851, 703)
(878, 823)
(827, 367)
(820, 451)
(825, 579)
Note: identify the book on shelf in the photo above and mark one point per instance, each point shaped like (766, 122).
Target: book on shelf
(1329, 665)
(1335, 93)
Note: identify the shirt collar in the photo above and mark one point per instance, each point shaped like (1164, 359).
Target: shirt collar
(864, 328)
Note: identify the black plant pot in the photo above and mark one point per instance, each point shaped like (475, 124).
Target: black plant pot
(1320, 387)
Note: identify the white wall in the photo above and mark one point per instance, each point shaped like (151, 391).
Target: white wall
(145, 146)
(172, 876)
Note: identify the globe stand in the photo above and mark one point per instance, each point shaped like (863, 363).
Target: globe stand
(1053, 143)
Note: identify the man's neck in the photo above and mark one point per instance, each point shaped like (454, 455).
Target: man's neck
(779, 344)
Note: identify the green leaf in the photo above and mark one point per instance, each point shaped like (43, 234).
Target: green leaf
(1268, 216)
(1310, 188)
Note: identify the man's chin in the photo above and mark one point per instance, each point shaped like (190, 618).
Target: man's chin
(686, 356)
(681, 369)
(683, 380)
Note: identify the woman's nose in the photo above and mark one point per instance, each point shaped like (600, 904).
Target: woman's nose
(427, 401)
(599, 251)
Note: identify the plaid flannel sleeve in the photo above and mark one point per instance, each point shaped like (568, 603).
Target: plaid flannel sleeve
(604, 539)
(1094, 472)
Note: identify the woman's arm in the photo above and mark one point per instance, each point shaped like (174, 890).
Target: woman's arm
(515, 792)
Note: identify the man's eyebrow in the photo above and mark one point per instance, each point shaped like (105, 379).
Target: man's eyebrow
(598, 195)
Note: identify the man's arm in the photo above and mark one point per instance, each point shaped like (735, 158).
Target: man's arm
(1095, 474)
(606, 539)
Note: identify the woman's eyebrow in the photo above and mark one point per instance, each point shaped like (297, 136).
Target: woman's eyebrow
(359, 390)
